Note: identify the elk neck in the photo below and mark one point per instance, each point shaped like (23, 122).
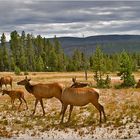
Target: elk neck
(29, 87)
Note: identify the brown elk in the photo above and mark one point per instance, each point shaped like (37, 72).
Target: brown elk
(5, 81)
(78, 84)
(41, 91)
(81, 97)
(19, 94)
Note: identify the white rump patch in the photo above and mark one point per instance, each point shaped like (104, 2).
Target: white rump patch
(97, 90)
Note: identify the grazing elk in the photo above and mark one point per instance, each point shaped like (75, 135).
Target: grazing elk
(78, 84)
(81, 97)
(19, 94)
(5, 81)
(41, 91)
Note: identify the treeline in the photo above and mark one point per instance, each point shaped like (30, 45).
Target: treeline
(29, 53)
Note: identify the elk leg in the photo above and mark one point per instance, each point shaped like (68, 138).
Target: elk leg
(6, 86)
(11, 85)
(63, 112)
(71, 108)
(61, 109)
(36, 102)
(102, 108)
(99, 108)
(12, 102)
(20, 103)
(25, 102)
(41, 102)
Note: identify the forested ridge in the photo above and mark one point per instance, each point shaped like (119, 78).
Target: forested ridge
(29, 53)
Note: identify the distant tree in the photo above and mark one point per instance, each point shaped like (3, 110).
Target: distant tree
(61, 64)
(99, 68)
(125, 70)
(70, 65)
(57, 45)
(98, 63)
(30, 53)
(115, 62)
(38, 45)
(1, 60)
(53, 61)
(77, 60)
(15, 46)
(4, 53)
(12, 63)
(40, 64)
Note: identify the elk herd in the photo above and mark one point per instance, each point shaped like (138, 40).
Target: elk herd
(78, 94)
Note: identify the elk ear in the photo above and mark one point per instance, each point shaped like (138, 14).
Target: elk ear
(74, 79)
(27, 78)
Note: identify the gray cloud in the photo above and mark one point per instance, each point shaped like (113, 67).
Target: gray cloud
(70, 18)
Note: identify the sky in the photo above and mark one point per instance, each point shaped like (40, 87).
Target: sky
(69, 18)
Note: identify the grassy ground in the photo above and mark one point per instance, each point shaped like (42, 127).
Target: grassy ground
(122, 107)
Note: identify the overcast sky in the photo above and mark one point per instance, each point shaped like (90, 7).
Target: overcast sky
(69, 18)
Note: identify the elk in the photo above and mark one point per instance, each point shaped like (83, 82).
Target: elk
(41, 91)
(80, 97)
(5, 81)
(78, 84)
(19, 94)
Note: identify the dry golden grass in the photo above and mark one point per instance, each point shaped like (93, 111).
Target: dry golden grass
(119, 104)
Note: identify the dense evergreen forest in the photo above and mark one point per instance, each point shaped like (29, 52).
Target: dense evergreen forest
(29, 53)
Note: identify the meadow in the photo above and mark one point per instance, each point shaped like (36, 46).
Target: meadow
(122, 107)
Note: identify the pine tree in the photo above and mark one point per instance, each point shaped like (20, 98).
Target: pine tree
(98, 63)
(22, 61)
(30, 53)
(40, 64)
(1, 60)
(125, 71)
(77, 60)
(4, 53)
(99, 67)
(46, 53)
(53, 61)
(57, 45)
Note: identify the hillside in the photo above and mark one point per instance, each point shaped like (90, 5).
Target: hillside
(108, 43)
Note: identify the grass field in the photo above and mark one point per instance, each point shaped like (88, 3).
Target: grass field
(122, 107)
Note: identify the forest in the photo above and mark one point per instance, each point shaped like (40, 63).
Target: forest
(25, 52)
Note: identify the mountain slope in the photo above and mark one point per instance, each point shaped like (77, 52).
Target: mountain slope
(108, 43)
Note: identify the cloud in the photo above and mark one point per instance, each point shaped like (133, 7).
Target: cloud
(70, 18)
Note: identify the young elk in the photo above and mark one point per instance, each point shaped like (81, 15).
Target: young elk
(41, 91)
(78, 84)
(19, 94)
(5, 81)
(81, 97)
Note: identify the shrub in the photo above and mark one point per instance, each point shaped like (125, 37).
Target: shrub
(129, 81)
(103, 83)
(125, 70)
